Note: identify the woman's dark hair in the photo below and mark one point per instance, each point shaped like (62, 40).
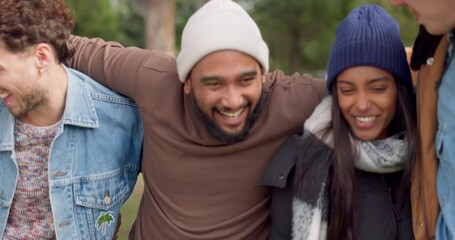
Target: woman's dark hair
(24, 23)
(341, 222)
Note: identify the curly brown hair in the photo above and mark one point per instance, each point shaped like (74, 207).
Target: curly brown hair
(24, 23)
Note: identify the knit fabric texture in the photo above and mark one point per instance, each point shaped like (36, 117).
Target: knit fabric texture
(220, 25)
(30, 216)
(368, 36)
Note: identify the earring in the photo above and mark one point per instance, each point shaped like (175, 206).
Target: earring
(41, 71)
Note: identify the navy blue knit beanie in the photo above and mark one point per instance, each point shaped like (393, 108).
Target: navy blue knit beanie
(368, 36)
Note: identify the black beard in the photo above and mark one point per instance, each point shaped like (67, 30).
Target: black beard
(217, 132)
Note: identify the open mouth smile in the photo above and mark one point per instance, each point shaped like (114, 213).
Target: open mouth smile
(232, 115)
(365, 119)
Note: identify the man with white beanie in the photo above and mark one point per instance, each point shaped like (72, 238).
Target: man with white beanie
(211, 123)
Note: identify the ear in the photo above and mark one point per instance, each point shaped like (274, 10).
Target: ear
(44, 55)
(187, 86)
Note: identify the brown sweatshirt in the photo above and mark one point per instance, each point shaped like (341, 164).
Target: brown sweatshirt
(197, 187)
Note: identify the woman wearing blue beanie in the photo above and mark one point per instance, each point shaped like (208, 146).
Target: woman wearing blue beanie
(353, 164)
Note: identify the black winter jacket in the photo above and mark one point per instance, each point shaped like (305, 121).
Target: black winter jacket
(383, 209)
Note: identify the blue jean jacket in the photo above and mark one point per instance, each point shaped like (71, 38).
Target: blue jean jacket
(93, 161)
(445, 148)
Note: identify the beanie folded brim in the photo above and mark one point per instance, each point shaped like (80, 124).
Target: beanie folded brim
(369, 54)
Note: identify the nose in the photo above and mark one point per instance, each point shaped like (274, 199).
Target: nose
(396, 3)
(232, 98)
(362, 102)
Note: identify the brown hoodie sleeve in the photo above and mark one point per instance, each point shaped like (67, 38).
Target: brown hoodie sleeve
(117, 67)
(293, 97)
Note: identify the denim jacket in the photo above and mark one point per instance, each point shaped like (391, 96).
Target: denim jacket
(445, 147)
(93, 161)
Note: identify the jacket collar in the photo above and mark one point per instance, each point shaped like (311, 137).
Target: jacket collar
(7, 129)
(451, 36)
(424, 47)
(450, 50)
(279, 168)
(79, 110)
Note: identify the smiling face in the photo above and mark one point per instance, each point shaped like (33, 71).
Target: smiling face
(438, 16)
(367, 97)
(19, 81)
(226, 86)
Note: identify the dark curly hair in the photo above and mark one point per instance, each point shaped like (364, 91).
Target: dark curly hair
(24, 23)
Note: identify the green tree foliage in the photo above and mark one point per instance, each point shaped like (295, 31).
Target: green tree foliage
(108, 19)
(300, 33)
(183, 10)
(131, 23)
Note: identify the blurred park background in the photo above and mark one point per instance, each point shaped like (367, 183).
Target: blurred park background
(299, 34)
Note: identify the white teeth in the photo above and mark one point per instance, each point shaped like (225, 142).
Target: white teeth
(232, 115)
(3, 94)
(364, 119)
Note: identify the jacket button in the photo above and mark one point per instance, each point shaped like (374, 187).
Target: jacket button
(281, 177)
(107, 199)
(430, 61)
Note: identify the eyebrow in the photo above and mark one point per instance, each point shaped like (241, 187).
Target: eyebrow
(208, 78)
(370, 81)
(251, 73)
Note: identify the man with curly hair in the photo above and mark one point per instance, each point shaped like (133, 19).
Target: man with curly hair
(69, 147)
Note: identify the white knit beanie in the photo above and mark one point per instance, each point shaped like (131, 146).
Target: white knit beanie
(220, 25)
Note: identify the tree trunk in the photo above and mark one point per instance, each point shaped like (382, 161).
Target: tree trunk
(159, 26)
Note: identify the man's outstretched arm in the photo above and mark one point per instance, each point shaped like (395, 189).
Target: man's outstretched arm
(117, 67)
